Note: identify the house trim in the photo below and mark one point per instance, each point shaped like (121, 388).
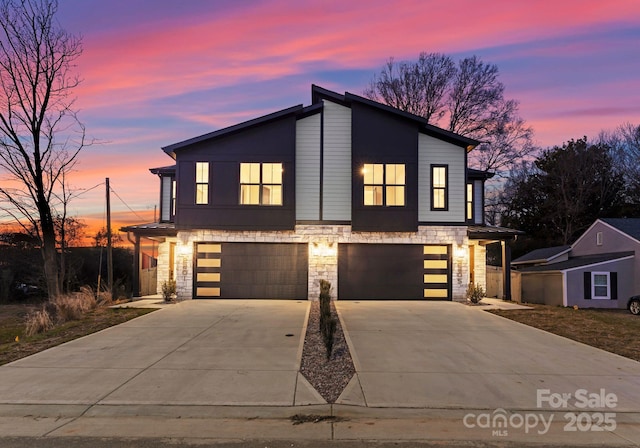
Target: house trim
(608, 226)
(584, 266)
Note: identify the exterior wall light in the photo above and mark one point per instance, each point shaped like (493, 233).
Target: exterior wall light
(460, 252)
(323, 249)
(184, 250)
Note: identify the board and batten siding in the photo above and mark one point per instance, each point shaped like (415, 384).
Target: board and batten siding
(336, 193)
(308, 168)
(166, 189)
(434, 151)
(478, 210)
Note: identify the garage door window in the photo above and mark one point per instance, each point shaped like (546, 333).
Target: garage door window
(384, 184)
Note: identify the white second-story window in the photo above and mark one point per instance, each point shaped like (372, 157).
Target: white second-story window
(439, 192)
(384, 184)
(261, 183)
(202, 182)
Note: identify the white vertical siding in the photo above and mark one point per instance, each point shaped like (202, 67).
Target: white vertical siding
(434, 151)
(166, 198)
(308, 168)
(478, 194)
(336, 197)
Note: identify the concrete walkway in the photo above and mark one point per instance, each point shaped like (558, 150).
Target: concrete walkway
(228, 370)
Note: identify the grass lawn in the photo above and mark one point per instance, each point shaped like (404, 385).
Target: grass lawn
(616, 331)
(12, 325)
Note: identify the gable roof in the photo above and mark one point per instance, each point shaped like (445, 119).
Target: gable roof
(318, 94)
(629, 226)
(544, 255)
(171, 149)
(579, 262)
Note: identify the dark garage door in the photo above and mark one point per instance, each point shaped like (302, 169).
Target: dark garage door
(251, 271)
(393, 272)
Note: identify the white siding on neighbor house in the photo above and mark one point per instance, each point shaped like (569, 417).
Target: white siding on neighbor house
(166, 199)
(477, 202)
(308, 168)
(434, 151)
(336, 194)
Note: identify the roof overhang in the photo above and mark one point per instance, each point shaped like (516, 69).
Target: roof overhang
(154, 229)
(492, 233)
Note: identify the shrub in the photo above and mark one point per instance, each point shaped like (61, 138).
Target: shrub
(475, 293)
(169, 289)
(72, 306)
(328, 323)
(39, 321)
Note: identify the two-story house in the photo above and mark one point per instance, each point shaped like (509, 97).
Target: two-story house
(364, 195)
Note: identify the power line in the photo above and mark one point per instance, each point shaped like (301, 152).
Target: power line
(89, 189)
(125, 204)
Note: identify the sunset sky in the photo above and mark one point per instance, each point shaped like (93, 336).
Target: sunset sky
(161, 71)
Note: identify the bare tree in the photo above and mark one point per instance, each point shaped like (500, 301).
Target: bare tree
(624, 142)
(416, 87)
(467, 98)
(40, 134)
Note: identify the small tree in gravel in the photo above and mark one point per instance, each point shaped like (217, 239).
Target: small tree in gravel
(328, 323)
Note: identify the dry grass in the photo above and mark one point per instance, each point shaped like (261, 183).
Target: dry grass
(615, 331)
(38, 321)
(16, 344)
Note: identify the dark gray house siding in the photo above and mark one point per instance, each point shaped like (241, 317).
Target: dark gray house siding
(380, 137)
(271, 142)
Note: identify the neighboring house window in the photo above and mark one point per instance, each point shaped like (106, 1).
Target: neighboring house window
(439, 193)
(384, 184)
(261, 183)
(600, 285)
(599, 239)
(202, 182)
(470, 202)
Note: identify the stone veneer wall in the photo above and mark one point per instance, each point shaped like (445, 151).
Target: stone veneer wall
(480, 265)
(323, 243)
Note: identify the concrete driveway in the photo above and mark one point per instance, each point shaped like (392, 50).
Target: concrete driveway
(228, 352)
(228, 370)
(447, 355)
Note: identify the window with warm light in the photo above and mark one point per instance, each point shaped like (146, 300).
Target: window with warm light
(439, 178)
(384, 184)
(202, 182)
(261, 183)
(469, 202)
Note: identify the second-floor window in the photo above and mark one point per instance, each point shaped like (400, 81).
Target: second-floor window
(202, 182)
(261, 183)
(439, 193)
(384, 184)
(470, 202)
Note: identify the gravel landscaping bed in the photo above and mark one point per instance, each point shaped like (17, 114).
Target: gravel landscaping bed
(328, 377)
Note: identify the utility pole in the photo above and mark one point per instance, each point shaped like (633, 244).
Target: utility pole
(109, 248)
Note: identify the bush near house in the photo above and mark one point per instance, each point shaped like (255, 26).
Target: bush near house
(328, 323)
